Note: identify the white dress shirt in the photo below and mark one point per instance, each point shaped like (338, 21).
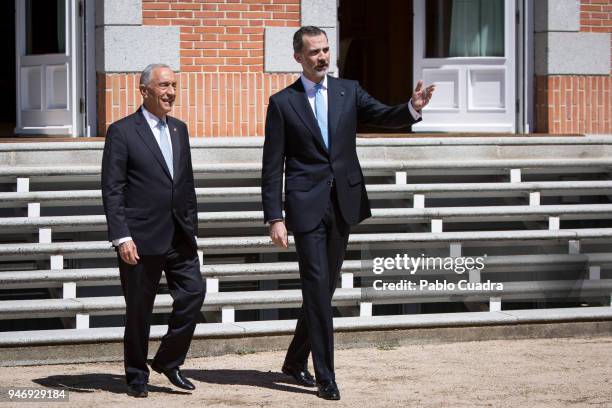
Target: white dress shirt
(309, 87)
(153, 122)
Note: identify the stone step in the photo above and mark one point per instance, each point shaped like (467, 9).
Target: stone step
(289, 270)
(228, 149)
(341, 324)
(261, 244)
(375, 192)
(218, 219)
(370, 167)
(272, 299)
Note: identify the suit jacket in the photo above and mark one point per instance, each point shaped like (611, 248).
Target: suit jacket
(294, 144)
(140, 197)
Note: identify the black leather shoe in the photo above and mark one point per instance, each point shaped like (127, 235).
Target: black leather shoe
(301, 375)
(328, 390)
(137, 390)
(175, 376)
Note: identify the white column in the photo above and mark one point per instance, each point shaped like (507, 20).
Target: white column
(212, 285)
(33, 210)
(595, 272)
(57, 261)
(23, 184)
(455, 249)
(365, 309)
(347, 280)
(436, 225)
(573, 247)
(515, 175)
(82, 321)
(69, 290)
(494, 304)
(44, 235)
(534, 198)
(401, 177)
(228, 314)
(554, 223)
(418, 201)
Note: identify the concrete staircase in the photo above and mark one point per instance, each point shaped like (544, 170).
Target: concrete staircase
(540, 209)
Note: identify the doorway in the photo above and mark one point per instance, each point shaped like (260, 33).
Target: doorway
(8, 113)
(376, 50)
(467, 48)
(47, 67)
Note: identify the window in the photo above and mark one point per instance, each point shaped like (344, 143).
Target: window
(45, 27)
(464, 28)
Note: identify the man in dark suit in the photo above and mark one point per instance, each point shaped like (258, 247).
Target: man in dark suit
(311, 136)
(150, 204)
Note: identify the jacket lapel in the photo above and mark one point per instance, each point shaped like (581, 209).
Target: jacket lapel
(299, 101)
(145, 133)
(335, 105)
(176, 146)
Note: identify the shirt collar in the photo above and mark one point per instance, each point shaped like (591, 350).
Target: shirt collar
(309, 85)
(152, 120)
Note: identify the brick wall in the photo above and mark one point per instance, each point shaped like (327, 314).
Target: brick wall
(578, 103)
(223, 89)
(212, 104)
(571, 104)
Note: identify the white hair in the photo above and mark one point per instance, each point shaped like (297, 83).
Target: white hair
(145, 75)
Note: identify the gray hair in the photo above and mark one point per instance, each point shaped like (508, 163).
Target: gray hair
(298, 40)
(145, 75)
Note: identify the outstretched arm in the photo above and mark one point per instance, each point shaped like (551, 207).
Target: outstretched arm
(376, 113)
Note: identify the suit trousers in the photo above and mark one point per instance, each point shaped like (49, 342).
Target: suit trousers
(320, 256)
(140, 283)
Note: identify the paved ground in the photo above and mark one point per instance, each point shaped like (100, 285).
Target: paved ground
(519, 373)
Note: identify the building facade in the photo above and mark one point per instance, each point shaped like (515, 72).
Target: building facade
(510, 66)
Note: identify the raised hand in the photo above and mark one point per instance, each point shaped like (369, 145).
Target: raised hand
(421, 96)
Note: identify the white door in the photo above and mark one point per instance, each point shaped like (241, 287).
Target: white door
(466, 47)
(46, 67)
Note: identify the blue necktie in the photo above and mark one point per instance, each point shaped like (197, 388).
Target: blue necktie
(164, 145)
(321, 113)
